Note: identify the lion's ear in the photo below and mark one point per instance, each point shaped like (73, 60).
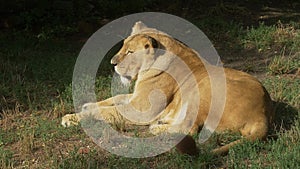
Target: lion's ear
(151, 45)
(138, 27)
(152, 42)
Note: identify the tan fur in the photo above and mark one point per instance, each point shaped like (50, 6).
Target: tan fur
(248, 107)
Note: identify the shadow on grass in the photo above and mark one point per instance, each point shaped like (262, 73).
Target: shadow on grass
(285, 116)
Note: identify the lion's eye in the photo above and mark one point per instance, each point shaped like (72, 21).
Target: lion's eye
(129, 52)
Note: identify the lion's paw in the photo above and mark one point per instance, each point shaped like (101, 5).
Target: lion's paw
(69, 119)
(156, 129)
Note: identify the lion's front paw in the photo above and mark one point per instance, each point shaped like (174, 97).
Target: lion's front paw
(69, 119)
(156, 129)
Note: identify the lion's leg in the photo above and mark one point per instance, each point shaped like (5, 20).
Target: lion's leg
(106, 113)
(250, 132)
(186, 146)
(95, 109)
(116, 100)
(110, 114)
(195, 129)
(156, 129)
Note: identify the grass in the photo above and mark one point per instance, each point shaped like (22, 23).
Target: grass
(260, 37)
(282, 64)
(36, 91)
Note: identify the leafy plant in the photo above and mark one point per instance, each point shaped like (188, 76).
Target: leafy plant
(282, 64)
(261, 37)
(5, 158)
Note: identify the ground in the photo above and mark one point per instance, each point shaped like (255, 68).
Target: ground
(35, 92)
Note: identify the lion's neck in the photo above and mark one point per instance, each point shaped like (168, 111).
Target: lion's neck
(188, 55)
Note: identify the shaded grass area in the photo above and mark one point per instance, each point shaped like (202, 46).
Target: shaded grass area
(35, 88)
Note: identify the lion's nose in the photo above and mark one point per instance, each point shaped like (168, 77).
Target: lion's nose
(113, 61)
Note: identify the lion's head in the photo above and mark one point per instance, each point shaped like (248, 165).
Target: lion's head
(137, 54)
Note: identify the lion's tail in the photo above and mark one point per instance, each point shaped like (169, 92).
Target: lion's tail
(224, 149)
(251, 132)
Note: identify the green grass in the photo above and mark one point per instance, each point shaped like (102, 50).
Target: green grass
(272, 37)
(282, 64)
(36, 91)
(260, 37)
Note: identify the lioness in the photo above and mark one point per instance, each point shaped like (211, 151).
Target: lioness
(153, 58)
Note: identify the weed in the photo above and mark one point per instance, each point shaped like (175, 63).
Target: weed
(5, 158)
(27, 142)
(261, 37)
(76, 160)
(287, 36)
(278, 37)
(284, 89)
(282, 64)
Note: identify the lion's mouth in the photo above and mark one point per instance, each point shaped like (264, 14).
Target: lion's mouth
(126, 80)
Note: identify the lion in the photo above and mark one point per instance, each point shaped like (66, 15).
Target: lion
(173, 92)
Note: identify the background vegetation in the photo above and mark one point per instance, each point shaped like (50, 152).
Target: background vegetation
(39, 44)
